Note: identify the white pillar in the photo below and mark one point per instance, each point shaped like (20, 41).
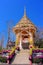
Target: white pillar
(20, 45)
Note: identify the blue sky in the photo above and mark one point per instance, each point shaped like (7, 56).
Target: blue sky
(14, 10)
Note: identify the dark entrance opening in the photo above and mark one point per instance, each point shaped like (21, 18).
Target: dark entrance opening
(25, 45)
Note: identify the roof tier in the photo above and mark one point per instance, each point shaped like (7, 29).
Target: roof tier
(24, 23)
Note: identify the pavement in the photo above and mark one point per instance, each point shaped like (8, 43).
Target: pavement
(22, 57)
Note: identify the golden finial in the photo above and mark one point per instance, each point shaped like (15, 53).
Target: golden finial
(24, 11)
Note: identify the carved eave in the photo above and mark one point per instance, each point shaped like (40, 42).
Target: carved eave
(24, 23)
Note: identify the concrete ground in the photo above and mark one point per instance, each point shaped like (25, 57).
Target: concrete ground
(22, 57)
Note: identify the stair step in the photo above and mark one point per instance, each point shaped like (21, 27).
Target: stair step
(22, 57)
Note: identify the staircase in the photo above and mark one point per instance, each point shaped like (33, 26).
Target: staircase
(22, 57)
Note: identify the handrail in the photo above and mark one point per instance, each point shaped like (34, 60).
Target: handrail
(34, 49)
(13, 49)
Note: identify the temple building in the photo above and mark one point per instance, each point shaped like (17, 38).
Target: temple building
(10, 43)
(25, 32)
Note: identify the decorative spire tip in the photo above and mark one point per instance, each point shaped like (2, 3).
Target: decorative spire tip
(24, 11)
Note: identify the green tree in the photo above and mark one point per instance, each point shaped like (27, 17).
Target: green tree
(0, 48)
(39, 39)
(39, 43)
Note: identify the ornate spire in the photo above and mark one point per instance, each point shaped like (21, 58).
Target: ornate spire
(24, 11)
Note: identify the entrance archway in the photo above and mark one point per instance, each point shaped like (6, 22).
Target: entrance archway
(25, 39)
(25, 42)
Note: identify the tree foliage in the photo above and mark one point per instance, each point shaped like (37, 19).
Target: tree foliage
(39, 39)
(0, 48)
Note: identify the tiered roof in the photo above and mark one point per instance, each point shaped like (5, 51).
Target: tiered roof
(25, 22)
